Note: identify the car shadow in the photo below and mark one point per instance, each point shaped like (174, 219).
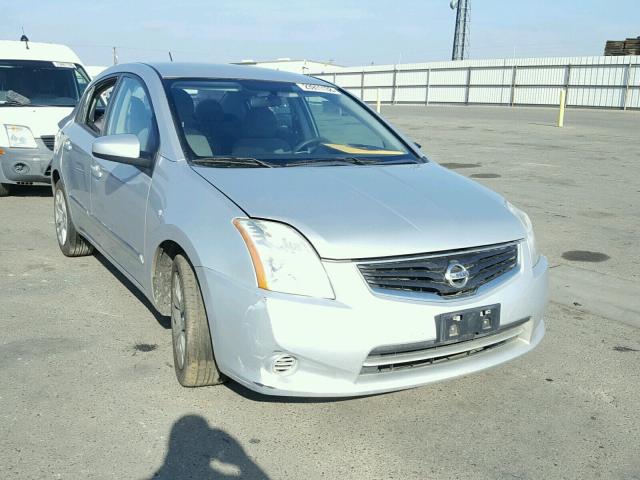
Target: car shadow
(165, 322)
(200, 452)
(30, 191)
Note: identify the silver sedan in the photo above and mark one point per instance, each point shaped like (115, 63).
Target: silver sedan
(299, 243)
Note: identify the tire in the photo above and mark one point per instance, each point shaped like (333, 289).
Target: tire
(193, 357)
(5, 190)
(69, 240)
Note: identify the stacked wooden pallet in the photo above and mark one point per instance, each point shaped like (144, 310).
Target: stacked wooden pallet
(630, 46)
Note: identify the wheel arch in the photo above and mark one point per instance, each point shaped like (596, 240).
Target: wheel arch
(165, 251)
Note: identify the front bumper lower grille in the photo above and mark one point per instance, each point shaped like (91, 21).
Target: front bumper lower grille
(403, 357)
(49, 141)
(426, 273)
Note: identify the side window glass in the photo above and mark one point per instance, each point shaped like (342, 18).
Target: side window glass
(81, 81)
(98, 107)
(132, 113)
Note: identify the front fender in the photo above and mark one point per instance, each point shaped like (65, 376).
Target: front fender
(185, 209)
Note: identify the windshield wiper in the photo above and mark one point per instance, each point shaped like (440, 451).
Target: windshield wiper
(231, 162)
(331, 162)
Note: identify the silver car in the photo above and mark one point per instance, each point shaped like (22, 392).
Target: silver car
(300, 244)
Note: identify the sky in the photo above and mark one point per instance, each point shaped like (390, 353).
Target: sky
(347, 32)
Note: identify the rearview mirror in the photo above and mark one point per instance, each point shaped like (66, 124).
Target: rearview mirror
(122, 148)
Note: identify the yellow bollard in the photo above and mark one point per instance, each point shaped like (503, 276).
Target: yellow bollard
(563, 102)
(378, 100)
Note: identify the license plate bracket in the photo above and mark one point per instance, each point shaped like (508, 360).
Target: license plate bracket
(467, 324)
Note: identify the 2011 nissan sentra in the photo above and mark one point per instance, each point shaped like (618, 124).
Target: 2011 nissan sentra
(301, 245)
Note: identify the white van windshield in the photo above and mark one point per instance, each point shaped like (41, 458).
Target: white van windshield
(39, 83)
(279, 124)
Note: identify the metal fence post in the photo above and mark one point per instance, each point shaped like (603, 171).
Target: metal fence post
(466, 96)
(426, 98)
(567, 81)
(627, 85)
(362, 86)
(512, 97)
(393, 86)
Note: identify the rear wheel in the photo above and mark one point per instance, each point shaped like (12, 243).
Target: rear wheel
(69, 240)
(193, 357)
(5, 190)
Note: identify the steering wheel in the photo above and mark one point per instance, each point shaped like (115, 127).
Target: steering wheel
(305, 144)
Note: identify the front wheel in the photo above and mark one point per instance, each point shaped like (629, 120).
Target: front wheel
(5, 190)
(193, 358)
(69, 240)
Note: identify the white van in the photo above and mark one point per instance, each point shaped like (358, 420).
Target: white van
(40, 84)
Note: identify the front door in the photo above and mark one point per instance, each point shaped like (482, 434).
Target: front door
(76, 153)
(119, 191)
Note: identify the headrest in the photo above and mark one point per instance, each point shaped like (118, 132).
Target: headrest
(184, 103)
(260, 123)
(209, 111)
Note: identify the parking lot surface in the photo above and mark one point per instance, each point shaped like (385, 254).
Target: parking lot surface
(87, 387)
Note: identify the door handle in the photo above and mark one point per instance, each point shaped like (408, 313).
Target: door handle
(96, 171)
(68, 146)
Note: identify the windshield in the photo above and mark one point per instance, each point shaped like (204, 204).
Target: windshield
(39, 83)
(279, 124)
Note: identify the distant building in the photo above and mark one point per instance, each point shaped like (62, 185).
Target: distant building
(295, 66)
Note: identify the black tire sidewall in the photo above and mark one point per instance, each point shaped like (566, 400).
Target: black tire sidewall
(199, 367)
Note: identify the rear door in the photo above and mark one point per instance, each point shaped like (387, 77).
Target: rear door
(79, 137)
(119, 191)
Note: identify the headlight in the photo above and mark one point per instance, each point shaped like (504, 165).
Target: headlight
(20, 137)
(283, 259)
(528, 226)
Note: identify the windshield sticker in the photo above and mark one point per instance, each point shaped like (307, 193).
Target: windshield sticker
(361, 151)
(63, 65)
(311, 87)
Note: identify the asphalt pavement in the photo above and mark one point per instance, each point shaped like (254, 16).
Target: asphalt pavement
(88, 391)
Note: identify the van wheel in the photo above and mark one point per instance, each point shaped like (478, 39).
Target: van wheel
(69, 240)
(193, 358)
(5, 190)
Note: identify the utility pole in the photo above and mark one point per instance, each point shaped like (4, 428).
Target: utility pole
(462, 32)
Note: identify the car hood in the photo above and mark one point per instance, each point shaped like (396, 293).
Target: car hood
(41, 120)
(353, 212)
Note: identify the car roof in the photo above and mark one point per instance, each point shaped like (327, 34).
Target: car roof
(52, 52)
(227, 72)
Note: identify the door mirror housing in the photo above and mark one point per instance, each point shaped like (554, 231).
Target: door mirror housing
(121, 148)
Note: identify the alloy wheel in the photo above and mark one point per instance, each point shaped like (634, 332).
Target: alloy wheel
(61, 217)
(178, 323)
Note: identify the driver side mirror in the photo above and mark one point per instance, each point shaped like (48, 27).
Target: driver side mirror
(121, 148)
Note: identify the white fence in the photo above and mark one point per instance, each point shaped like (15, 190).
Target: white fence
(605, 82)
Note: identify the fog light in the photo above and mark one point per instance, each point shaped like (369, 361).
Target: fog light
(486, 323)
(21, 168)
(283, 364)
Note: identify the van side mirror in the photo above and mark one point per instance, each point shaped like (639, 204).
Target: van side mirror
(121, 148)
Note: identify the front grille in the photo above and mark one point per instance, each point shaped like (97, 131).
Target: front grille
(49, 141)
(392, 358)
(426, 273)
